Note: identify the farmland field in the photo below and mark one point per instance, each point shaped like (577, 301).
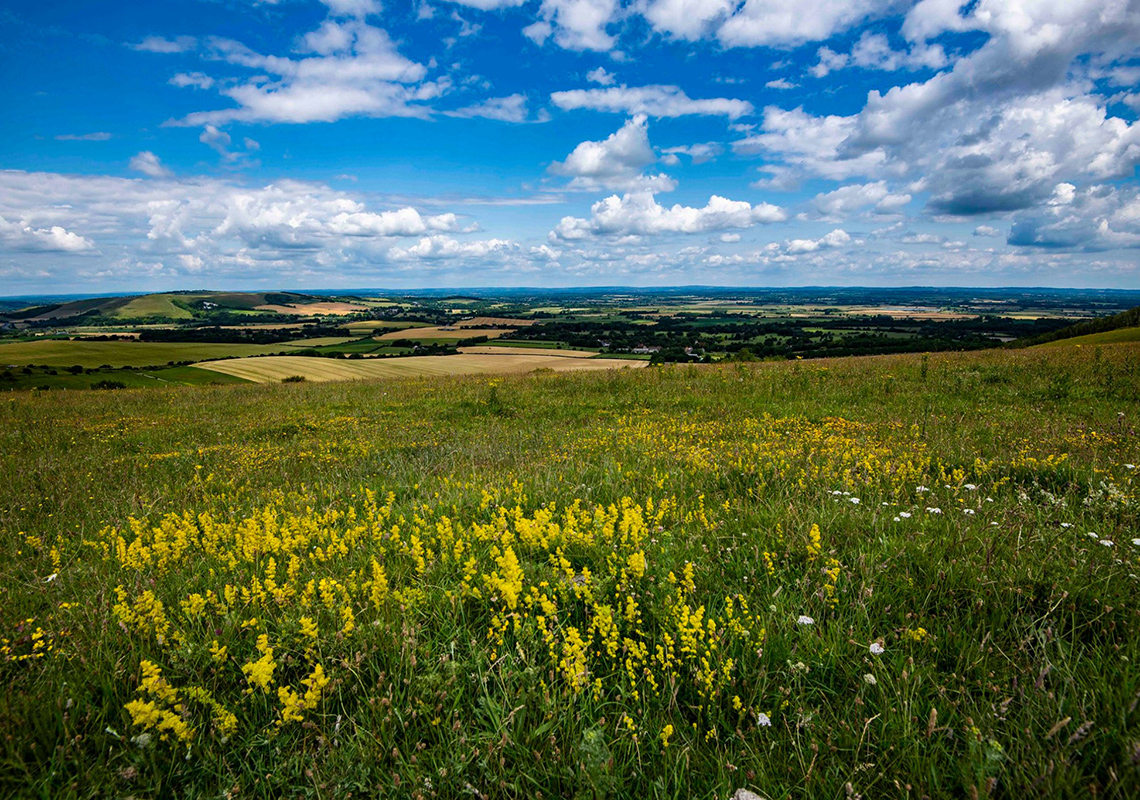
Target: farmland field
(901, 576)
(450, 332)
(276, 368)
(64, 353)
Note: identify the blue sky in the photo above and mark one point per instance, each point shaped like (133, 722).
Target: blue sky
(352, 143)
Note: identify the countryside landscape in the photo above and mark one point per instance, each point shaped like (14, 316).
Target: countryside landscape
(902, 575)
(570, 400)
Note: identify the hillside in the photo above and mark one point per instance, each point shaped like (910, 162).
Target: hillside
(1125, 319)
(654, 583)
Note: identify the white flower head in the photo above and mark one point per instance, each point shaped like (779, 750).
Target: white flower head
(805, 620)
(905, 514)
(876, 649)
(853, 500)
(933, 510)
(1108, 542)
(968, 511)
(763, 721)
(921, 489)
(869, 679)
(1136, 542)
(971, 486)
(1066, 524)
(51, 577)
(1093, 535)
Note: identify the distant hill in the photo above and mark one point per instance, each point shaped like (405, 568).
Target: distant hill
(164, 306)
(1098, 328)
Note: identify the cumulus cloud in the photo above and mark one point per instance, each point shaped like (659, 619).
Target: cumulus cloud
(219, 226)
(615, 162)
(837, 238)
(639, 214)
(873, 51)
(753, 23)
(575, 24)
(56, 239)
(1097, 218)
(352, 69)
(148, 164)
(436, 247)
(995, 133)
(857, 197)
(654, 101)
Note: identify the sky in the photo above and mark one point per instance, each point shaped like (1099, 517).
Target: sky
(237, 144)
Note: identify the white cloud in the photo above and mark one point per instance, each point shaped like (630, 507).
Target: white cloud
(575, 24)
(148, 164)
(873, 51)
(160, 44)
(505, 109)
(352, 8)
(654, 101)
(1096, 218)
(780, 83)
(354, 69)
(986, 230)
(615, 162)
(837, 238)
(198, 80)
(698, 153)
(284, 227)
(99, 136)
(639, 214)
(437, 247)
(56, 239)
(856, 197)
(600, 75)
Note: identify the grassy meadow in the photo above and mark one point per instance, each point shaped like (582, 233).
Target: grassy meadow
(902, 576)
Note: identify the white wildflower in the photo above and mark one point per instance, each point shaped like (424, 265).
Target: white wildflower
(51, 577)
(805, 620)
(142, 740)
(853, 500)
(876, 649)
(921, 489)
(1093, 535)
(898, 519)
(1136, 542)
(971, 486)
(905, 514)
(1066, 524)
(763, 721)
(934, 510)
(1108, 542)
(969, 511)
(869, 679)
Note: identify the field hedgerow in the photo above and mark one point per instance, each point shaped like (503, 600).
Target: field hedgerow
(873, 578)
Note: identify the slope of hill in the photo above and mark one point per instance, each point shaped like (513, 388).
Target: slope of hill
(1125, 319)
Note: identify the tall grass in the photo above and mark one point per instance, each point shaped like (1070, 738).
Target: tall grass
(958, 528)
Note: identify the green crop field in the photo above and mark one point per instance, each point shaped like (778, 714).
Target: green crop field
(903, 576)
(151, 305)
(66, 352)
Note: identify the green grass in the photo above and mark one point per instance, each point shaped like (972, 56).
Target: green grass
(1009, 636)
(130, 379)
(1118, 336)
(67, 352)
(151, 305)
